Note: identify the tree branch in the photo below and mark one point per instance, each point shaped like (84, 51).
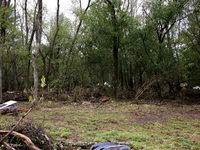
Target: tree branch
(17, 123)
(24, 138)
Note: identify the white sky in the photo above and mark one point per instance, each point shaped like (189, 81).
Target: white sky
(66, 6)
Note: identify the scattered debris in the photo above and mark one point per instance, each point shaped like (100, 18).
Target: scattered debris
(196, 88)
(15, 95)
(105, 99)
(73, 103)
(85, 102)
(29, 136)
(109, 146)
(10, 109)
(93, 145)
(6, 104)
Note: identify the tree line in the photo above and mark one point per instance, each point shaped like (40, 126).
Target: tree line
(121, 42)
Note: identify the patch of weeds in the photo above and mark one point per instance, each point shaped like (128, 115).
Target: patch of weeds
(58, 139)
(176, 144)
(65, 134)
(147, 106)
(86, 140)
(181, 120)
(54, 133)
(98, 139)
(167, 146)
(150, 148)
(135, 146)
(91, 134)
(139, 138)
(64, 129)
(155, 135)
(184, 141)
(165, 137)
(112, 133)
(54, 128)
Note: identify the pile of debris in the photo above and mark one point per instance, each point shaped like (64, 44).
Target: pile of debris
(15, 95)
(28, 136)
(10, 109)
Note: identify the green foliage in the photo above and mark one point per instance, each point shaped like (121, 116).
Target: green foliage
(31, 100)
(43, 84)
(54, 133)
(185, 142)
(163, 38)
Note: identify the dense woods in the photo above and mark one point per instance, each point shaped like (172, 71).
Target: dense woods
(126, 44)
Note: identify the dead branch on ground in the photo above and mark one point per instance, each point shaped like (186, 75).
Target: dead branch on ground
(10, 132)
(24, 138)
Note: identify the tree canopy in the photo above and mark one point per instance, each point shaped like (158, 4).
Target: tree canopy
(122, 43)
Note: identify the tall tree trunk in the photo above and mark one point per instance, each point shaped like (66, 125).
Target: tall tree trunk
(121, 76)
(115, 47)
(36, 51)
(1, 54)
(14, 60)
(52, 45)
(1, 74)
(6, 5)
(131, 77)
(26, 43)
(57, 64)
(115, 56)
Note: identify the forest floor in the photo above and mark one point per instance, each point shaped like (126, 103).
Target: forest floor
(146, 126)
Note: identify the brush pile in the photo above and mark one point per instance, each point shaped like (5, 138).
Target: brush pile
(30, 132)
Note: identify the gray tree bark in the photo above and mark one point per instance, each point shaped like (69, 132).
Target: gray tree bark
(35, 52)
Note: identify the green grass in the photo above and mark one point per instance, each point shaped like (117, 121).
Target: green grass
(145, 126)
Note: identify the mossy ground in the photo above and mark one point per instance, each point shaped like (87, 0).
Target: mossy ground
(146, 126)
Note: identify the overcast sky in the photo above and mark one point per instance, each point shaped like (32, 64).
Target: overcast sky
(66, 6)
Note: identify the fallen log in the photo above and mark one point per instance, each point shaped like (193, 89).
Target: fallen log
(24, 138)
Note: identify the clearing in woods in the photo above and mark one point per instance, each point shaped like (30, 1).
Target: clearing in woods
(169, 126)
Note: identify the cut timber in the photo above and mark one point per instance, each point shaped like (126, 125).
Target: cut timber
(24, 138)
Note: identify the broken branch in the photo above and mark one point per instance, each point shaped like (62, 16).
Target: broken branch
(24, 138)
(17, 123)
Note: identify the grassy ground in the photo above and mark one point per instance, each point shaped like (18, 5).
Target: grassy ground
(146, 126)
